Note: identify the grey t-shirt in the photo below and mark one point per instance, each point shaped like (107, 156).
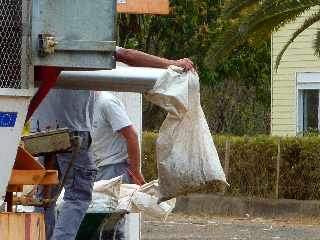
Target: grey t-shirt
(109, 146)
(62, 108)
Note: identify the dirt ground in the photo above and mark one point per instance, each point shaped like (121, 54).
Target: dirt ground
(227, 228)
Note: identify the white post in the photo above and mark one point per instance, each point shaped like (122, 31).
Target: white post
(133, 104)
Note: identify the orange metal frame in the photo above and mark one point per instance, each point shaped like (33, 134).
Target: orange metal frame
(161, 7)
(27, 171)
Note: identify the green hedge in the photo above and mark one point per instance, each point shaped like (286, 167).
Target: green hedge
(253, 165)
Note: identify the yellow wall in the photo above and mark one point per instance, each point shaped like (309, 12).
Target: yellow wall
(298, 58)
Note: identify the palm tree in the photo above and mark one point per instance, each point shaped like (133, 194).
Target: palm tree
(254, 20)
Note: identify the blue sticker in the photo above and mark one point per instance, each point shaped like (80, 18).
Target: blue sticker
(8, 119)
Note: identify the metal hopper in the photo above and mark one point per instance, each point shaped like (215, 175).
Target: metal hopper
(15, 85)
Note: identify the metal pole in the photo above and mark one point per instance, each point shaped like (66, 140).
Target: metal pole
(122, 79)
(227, 159)
(278, 169)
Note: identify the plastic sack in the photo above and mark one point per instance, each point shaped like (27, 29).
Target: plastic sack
(111, 195)
(186, 155)
(135, 198)
(105, 196)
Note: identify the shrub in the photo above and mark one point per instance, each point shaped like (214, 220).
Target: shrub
(253, 165)
(149, 163)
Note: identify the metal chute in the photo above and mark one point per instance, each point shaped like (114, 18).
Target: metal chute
(123, 79)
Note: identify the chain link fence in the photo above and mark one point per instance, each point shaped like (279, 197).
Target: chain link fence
(10, 43)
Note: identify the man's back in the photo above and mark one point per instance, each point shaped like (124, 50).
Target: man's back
(109, 146)
(62, 108)
(73, 110)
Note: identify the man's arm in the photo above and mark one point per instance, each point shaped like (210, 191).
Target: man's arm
(131, 137)
(140, 59)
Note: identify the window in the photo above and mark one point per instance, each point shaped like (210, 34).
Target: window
(308, 90)
(310, 105)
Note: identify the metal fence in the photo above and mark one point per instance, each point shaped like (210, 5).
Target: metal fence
(10, 43)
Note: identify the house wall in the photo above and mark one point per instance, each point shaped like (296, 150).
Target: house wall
(298, 58)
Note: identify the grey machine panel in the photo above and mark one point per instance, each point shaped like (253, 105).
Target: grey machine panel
(74, 34)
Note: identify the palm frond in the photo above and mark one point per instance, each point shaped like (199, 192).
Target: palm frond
(307, 23)
(316, 44)
(269, 10)
(236, 6)
(270, 16)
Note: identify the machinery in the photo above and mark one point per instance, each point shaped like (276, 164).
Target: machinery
(39, 40)
(42, 35)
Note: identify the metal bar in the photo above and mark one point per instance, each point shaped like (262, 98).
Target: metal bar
(278, 169)
(9, 201)
(49, 164)
(227, 159)
(123, 79)
(49, 76)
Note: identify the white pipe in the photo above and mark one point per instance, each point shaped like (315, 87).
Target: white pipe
(123, 79)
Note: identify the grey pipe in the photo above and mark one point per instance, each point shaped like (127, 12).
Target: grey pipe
(122, 79)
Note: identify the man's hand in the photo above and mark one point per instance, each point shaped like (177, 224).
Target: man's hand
(185, 63)
(136, 176)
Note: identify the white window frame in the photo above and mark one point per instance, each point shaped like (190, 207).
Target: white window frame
(309, 80)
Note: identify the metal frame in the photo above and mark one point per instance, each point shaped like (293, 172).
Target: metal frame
(26, 64)
(300, 86)
(74, 34)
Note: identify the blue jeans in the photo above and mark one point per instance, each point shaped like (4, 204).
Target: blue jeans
(109, 172)
(114, 170)
(77, 196)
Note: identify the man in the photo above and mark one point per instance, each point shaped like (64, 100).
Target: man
(115, 144)
(74, 109)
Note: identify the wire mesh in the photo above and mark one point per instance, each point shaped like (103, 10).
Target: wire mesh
(10, 43)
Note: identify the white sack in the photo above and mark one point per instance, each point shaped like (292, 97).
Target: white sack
(147, 201)
(125, 199)
(134, 198)
(105, 195)
(111, 195)
(186, 155)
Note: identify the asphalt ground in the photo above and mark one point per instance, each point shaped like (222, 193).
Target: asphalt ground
(229, 228)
